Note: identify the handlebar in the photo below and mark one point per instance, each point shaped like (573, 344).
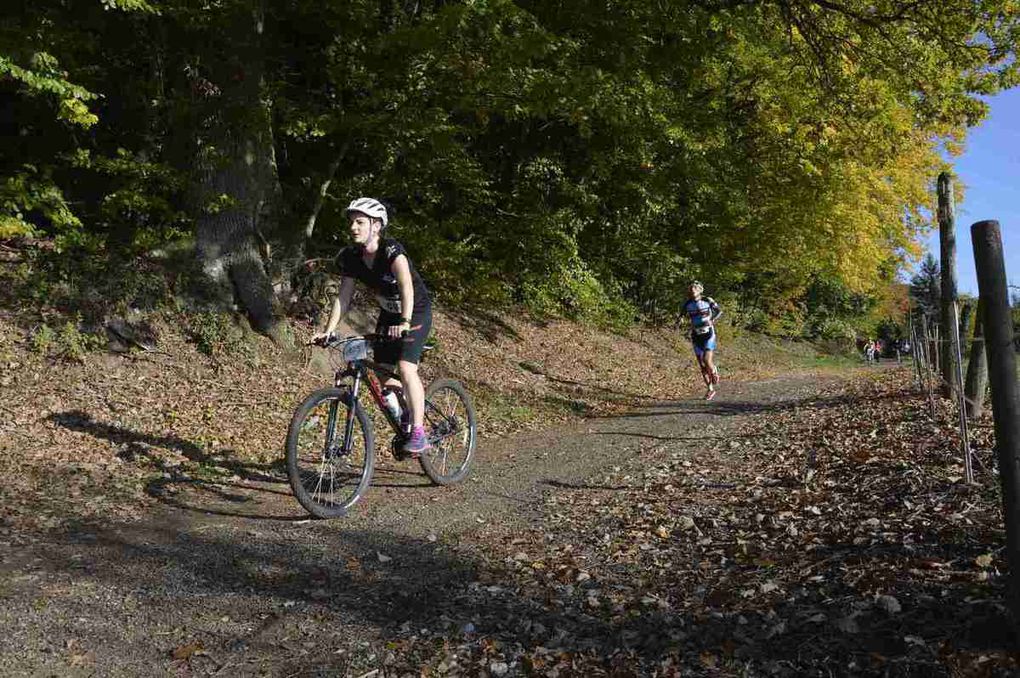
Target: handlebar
(332, 340)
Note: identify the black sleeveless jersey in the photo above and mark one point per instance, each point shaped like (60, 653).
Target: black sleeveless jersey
(380, 278)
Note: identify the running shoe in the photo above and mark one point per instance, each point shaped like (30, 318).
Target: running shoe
(710, 395)
(417, 443)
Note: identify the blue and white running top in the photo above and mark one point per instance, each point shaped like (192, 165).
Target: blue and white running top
(702, 313)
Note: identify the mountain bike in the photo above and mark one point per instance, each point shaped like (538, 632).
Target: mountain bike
(331, 445)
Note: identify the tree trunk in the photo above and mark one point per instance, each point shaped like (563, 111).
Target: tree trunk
(238, 187)
(320, 198)
(977, 369)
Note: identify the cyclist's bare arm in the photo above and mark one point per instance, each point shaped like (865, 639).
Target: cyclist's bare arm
(402, 272)
(341, 305)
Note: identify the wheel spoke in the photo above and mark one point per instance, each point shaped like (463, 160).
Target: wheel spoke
(448, 419)
(331, 478)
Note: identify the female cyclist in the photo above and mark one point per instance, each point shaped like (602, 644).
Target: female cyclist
(405, 315)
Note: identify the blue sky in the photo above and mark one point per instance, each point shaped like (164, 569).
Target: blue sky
(990, 170)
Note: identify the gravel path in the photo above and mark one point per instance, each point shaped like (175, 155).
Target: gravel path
(233, 579)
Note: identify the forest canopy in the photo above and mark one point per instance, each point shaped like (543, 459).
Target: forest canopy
(583, 157)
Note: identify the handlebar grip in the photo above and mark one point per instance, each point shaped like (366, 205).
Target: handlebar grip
(321, 341)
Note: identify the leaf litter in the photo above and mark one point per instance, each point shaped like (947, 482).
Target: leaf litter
(830, 536)
(836, 539)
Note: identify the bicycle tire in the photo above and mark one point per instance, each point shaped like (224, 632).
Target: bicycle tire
(437, 423)
(311, 499)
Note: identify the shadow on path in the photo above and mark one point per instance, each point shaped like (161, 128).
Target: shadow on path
(320, 587)
(219, 484)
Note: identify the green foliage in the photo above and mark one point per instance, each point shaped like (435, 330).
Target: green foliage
(14, 227)
(44, 78)
(42, 339)
(889, 330)
(69, 342)
(130, 6)
(833, 311)
(215, 333)
(75, 343)
(582, 158)
(577, 293)
(926, 289)
(33, 194)
(138, 208)
(85, 286)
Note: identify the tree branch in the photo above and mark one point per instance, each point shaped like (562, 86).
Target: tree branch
(320, 199)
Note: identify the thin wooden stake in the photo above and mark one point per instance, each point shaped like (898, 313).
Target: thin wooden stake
(930, 369)
(915, 354)
(968, 468)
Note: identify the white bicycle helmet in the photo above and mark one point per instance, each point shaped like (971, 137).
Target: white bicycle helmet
(370, 207)
(696, 284)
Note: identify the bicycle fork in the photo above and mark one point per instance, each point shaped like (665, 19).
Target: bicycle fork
(348, 441)
(349, 424)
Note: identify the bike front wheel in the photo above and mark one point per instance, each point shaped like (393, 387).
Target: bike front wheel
(452, 431)
(328, 469)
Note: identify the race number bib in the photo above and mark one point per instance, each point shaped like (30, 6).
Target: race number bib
(390, 304)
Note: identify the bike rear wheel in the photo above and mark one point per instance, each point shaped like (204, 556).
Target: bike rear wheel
(329, 472)
(451, 429)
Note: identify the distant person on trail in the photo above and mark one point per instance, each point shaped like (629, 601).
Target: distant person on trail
(869, 351)
(703, 312)
(405, 315)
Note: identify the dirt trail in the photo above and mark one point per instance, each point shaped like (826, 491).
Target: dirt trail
(233, 579)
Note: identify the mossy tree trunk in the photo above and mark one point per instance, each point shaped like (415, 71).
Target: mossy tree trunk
(237, 184)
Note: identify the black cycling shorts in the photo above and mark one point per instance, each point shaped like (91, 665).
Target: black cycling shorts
(408, 348)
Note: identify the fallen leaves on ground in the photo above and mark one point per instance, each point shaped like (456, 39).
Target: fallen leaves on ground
(828, 536)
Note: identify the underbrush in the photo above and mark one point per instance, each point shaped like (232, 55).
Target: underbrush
(67, 304)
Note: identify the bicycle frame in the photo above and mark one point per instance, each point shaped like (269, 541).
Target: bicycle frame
(328, 485)
(368, 372)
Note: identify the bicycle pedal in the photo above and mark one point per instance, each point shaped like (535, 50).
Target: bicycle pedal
(397, 449)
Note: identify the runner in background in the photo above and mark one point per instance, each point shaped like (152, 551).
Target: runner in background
(702, 312)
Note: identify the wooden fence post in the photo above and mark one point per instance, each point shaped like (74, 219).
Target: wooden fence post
(949, 346)
(927, 371)
(998, 322)
(977, 368)
(966, 315)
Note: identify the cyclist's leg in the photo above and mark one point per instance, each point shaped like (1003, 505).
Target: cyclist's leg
(387, 353)
(414, 392)
(412, 346)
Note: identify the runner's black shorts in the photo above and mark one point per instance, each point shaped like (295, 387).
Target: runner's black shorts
(408, 348)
